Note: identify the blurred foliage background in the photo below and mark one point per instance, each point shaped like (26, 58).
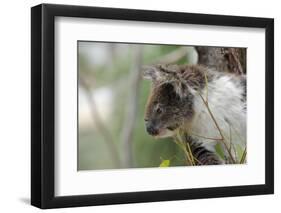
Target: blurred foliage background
(112, 98)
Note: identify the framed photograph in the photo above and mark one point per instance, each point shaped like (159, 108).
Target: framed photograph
(140, 106)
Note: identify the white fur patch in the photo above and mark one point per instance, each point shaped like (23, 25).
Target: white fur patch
(225, 103)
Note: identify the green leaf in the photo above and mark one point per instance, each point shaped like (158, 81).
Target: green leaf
(219, 150)
(239, 151)
(165, 163)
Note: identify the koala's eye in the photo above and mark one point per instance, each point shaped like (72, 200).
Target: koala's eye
(159, 110)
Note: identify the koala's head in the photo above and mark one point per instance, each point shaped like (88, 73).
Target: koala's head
(170, 104)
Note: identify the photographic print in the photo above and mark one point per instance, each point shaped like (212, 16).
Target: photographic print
(182, 95)
(152, 105)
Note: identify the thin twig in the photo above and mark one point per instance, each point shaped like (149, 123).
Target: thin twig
(213, 118)
(101, 127)
(243, 158)
(198, 161)
(209, 138)
(182, 146)
(217, 126)
(185, 146)
(190, 152)
(206, 80)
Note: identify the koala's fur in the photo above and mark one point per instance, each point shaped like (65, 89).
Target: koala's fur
(175, 103)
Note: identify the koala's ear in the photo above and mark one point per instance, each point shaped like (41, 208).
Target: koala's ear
(151, 72)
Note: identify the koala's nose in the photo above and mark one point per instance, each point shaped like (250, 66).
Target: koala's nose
(151, 129)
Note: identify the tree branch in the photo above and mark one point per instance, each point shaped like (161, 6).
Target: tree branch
(223, 59)
(132, 104)
(100, 125)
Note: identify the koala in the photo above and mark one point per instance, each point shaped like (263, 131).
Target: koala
(208, 106)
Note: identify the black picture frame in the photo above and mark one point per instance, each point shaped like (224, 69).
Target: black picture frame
(43, 105)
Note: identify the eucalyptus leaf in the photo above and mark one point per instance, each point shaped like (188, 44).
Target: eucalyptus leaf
(219, 150)
(165, 163)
